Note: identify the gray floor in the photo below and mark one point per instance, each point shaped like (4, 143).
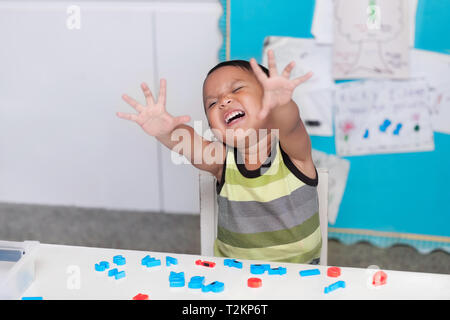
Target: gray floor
(178, 234)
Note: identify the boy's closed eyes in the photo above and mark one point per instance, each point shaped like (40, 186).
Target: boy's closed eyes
(235, 86)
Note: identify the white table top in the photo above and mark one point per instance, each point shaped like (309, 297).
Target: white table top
(67, 272)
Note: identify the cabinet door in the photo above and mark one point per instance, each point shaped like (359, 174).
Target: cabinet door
(60, 140)
(188, 40)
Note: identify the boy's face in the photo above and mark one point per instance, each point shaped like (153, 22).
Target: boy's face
(232, 98)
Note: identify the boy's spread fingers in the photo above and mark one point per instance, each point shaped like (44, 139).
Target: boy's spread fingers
(162, 92)
(133, 103)
(127, 116)
(263, 113)
(148, 94)
(272, 64)
(182, 119)
(287, 71)
(303, 78)
(260, 75)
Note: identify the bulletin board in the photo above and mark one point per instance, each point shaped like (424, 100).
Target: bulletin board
(389, 198)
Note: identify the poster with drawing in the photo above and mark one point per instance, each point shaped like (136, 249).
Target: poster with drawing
(371, 39)
(382, 117)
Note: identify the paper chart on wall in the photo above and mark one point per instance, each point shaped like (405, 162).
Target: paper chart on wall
(322, 25)
(313, 97)
(382, 117)
(434, 68)
(338, 169)
(371, 39)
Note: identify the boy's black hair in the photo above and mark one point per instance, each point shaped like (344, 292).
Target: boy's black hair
(243, 64)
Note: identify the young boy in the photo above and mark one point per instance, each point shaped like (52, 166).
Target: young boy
(266, 181)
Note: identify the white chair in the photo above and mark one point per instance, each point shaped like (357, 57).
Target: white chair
(209, 212)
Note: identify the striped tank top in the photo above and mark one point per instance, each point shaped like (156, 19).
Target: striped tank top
(270, 214)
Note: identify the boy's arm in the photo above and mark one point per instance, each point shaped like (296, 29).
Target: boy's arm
(201, 153)
(282, 113)
(293, 137)
(173, 133)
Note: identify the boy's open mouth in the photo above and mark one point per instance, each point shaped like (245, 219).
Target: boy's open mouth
(233, 116)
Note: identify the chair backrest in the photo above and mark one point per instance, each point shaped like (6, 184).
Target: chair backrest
(322, 192)
(209, 213)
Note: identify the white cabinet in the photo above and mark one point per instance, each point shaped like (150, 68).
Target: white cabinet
(185, 63)
(60, 140)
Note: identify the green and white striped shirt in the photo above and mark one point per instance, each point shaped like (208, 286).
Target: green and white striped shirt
(271, 213)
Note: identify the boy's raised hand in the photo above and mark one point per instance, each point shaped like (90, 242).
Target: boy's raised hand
(278, 89)
(153, 118)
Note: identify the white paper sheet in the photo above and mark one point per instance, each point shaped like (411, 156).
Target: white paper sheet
(371, 41)
(382, 117)
(313, 97)
(440, 107)
(434, 68)
(412, 9)
(322, 25)
(338, 169)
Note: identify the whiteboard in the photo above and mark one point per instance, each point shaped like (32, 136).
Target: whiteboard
(60, 140)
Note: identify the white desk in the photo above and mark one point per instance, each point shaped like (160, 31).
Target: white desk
(58, 267)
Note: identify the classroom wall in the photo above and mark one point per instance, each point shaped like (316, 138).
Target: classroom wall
(61, 142)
